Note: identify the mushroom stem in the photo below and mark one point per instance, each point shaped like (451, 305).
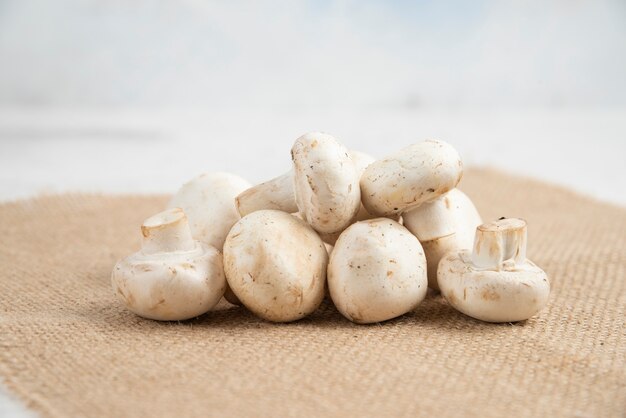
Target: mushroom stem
(275, 194)
(498, 242)
(167, 231)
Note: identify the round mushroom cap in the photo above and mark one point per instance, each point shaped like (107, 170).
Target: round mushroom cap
(416, 174)
(361, 161)
(512, 294)
(170, 286)
(377, 271)
(361, 216)
(209, 202)
(326, 182)
(435, 249)
(276, 265)
(445, 224)
(450, 213)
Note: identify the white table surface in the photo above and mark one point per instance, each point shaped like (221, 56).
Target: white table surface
(154, 151)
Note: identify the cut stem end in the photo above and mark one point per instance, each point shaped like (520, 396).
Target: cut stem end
(498, 242)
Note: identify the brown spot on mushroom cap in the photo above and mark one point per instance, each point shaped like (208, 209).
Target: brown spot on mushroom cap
(160, 302)
(489, 294)
(311, 184)
(129, 299)
(451, 297)
(389, 273)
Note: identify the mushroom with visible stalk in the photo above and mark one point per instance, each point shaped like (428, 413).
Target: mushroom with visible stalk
(416, 174)
(208, 200)
(276, 265)
(323, 186)
(495, 282)
(443, 225)
(377, 271)
(173, 277)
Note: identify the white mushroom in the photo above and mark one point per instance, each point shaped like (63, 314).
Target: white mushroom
(495, 282)
(323, 185)
(209, 203)
(276, 265)
(173, 277)
(443, 225)
(361, 162)
(377, 271)
(416, 174)
(278, 194)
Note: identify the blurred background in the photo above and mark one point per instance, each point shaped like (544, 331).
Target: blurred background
(117, 96)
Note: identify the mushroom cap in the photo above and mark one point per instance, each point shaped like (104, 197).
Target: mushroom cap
(435, 249)
(209, 202)
(361, 216)
(450, 213)
(361, 161)
(377, 271)
(326, 182)
(276, 265)
(512, 294)
(445, 224)
(170, 286)
(416, 174)
(277, 193)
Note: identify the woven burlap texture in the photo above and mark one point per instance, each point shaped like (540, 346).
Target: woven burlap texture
(68, 348)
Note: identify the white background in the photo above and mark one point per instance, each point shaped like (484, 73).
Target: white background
(140, 96)
(154, 151)
(113, 96)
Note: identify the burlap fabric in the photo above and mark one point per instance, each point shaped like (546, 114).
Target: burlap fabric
(67, 348)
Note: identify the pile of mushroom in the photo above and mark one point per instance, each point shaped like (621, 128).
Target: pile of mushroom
(372, 235)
